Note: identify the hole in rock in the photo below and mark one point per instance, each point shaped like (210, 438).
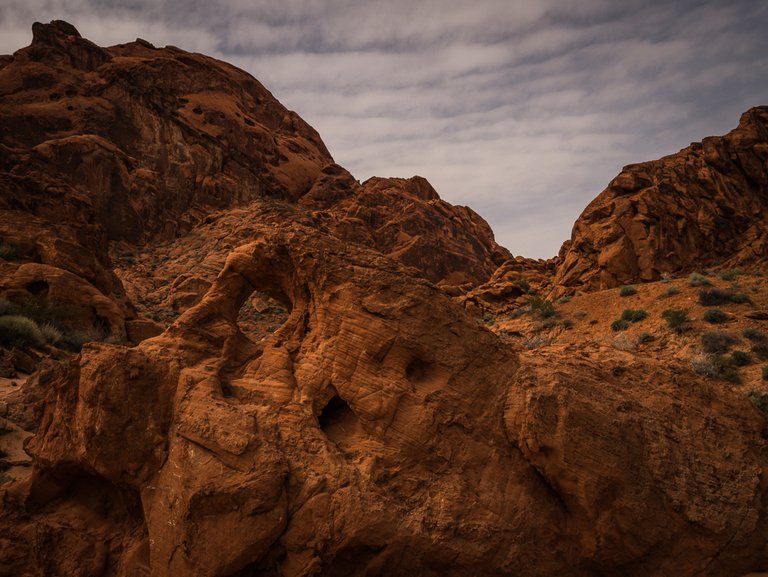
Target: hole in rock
(339, 422)
(337, 410)
(38, 288)
(417, 370)
(261, 315)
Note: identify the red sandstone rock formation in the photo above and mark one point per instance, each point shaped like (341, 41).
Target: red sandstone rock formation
(706, 205)
(380, 429)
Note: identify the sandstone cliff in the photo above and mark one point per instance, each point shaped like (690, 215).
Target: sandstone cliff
(705, 206)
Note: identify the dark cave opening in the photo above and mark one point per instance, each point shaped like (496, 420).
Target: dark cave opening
(337, 410)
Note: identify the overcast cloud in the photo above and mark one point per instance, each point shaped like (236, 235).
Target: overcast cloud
(522, 109)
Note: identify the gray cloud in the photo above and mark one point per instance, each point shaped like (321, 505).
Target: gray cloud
(522, 110)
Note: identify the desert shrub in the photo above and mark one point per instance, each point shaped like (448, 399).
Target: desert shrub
(730, 274)
(759, 400)
(488, 318)
(563, 299)
(75, 340)
(715, 367)
(8, 308)
(518, 312)
(665, 277)
(633, 316)
(754, 335)
(523, 284)
(50, 333)
(619, 325)
(740, 358)
(627, 291)
(541, 307)
(41, 310)
(671, 291)
(677, 319)
(546, 324)
(644, 337)
(713, 297)
(698, 279)
(19, 331)
(760, 349)
(715, 316)
(717, 342)
(566, 323)
(536, 341)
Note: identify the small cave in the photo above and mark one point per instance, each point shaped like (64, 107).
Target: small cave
(335, 411)
(39, 288)
(339, 422)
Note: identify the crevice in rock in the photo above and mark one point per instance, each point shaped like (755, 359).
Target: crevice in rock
(38, 288)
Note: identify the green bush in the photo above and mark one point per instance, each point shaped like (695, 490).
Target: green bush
(760, 348)
(619, 325)
(75, 340)
(41, 310)
(671, 291)
(714, 297)
(677, 319)
(541, 307)
(50, 333)
(717, 342)
(8, 308)
(644, 337)
(632, 316)
(19, 331)
(740, 359)
(715, 316)
(523, 284)
(564, 299)
(754, 335)
(730, 274)
(697, 279)
(627, 291)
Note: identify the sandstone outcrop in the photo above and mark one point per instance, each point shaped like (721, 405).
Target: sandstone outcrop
(379, 431)
(318, 399)
(705, 206)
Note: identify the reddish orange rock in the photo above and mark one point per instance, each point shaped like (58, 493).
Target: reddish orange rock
(704, 206)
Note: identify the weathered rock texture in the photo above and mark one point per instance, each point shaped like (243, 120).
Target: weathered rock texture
(380, 429)
(706, 205)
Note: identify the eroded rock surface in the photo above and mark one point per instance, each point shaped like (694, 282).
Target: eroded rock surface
(706, 205)
(379, 431)
(378, 428)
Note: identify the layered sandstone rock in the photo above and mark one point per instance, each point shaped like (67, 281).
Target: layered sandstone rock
(379, 431)
(707, 205)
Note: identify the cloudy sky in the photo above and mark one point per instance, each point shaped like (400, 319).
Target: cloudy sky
(522, 109)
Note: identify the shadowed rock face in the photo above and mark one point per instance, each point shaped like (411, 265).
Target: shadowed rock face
(706, 205)
(380, 430)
